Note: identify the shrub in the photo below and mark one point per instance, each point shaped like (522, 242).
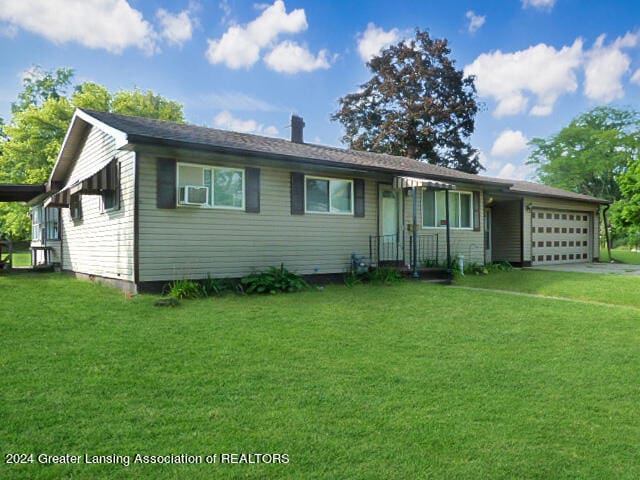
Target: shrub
(500, 267)
(352, 278)
(184, 289)
(214, 286)
(430, 263)
(384, 275)
(273, 280)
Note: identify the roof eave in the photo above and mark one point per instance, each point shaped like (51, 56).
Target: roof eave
(136, 139)
(80, 121)
(601, 201)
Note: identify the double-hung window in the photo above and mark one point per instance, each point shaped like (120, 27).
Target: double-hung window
(328, 195)
(217, 187)
(434, 209)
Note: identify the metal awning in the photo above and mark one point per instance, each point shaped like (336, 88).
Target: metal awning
(410, 182)
(103, 180)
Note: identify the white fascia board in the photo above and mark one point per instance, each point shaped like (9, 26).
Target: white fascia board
(119, 136)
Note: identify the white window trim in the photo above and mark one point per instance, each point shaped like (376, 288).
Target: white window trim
(435, 208)
(329, 179)
(212, 168)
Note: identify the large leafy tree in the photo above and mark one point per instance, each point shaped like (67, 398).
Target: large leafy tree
(32, 139)
(588, 155)
(417, 104)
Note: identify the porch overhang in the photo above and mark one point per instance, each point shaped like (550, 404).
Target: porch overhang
(402, 182)
(20, 193)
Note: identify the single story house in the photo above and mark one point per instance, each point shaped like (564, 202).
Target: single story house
(137, 202)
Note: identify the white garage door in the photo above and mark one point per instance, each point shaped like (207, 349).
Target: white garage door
(560, 237)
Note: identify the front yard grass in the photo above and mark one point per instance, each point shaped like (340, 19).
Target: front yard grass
(604, 288)
(622, 255)
(405, 381)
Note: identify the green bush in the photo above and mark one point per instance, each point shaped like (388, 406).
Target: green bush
(384, 275)
(352, 278)
(273, 280)
(184, 289)
(214, 286)
(430, 263)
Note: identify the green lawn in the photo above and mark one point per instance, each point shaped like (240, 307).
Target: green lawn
(622, 255)
(408, 381)
(22, 258)
(605, 288)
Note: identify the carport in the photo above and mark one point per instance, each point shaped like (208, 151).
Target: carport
(15, 193)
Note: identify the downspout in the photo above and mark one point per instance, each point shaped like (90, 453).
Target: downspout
(414, 248)
(606, 231)
(446, 208)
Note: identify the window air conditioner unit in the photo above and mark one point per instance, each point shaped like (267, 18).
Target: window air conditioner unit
(194, 195)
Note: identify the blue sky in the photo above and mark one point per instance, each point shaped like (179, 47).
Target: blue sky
(247, 66)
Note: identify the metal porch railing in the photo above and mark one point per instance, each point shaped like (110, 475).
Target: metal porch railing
(427, 251)
(385, 248)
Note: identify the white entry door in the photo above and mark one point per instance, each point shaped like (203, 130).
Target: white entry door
(389, 210)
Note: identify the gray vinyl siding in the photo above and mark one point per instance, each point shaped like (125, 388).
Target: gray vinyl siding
(101, 244)
(559, 204)
(193, 242)
(465, 242)
(506, 234)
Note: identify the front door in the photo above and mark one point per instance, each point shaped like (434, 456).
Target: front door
(487, 235)
(389, 248)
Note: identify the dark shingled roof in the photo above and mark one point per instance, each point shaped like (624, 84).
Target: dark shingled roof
(531, 188)
(150, 131)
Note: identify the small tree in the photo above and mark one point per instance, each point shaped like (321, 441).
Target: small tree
(588, 155)
(417, 104)
(31, 141)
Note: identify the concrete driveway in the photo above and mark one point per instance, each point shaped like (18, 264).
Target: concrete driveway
(614, 268)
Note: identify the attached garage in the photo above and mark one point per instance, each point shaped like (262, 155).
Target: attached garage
(561, 236)
(534, 224)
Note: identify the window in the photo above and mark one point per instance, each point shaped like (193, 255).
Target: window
(328, 195)
(111, 198)
(217, 187)
(37, 223)
(434, 209)
(75, 207)
(53, 227)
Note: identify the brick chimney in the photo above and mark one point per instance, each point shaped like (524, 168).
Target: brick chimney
(297, 128)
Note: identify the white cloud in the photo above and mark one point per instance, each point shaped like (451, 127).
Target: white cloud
(541, 70)
(240, 46)
(8, 30)
(475, 21)
(512, 171)
(176, 29)
(227, 121)
(374, 40)
(112, 25)
(226, 11)
(237, 101)
(539, 4)
(289, 57)
(636, 77)
(605, 66)
(509, 143)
